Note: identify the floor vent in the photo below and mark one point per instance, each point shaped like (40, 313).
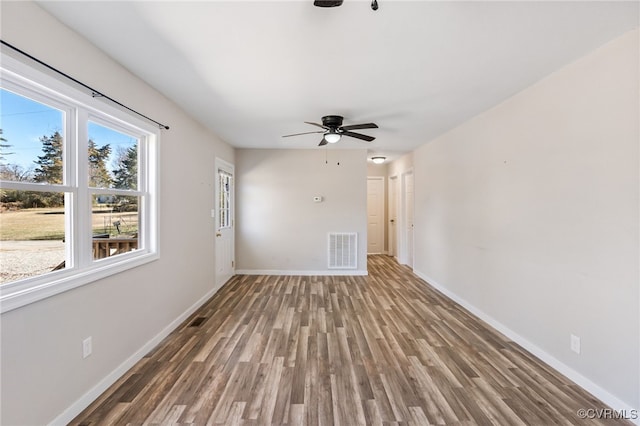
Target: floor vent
(197, 322)
(343, 250)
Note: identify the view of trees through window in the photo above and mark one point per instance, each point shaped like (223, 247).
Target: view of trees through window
(33, 221)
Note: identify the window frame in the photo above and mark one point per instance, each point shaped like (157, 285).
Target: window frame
(78, 109)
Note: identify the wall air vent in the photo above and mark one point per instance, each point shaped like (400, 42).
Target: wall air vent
(343, 250)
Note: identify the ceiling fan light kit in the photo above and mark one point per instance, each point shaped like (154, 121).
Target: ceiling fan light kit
(332, 137)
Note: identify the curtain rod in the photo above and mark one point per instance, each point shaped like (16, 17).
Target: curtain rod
(95, 93)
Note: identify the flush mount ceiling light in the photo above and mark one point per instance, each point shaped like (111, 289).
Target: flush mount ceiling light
(332, 137)
(378, 160)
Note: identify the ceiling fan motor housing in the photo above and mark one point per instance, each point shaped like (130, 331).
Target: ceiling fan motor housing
(327, 3)
(332, 121)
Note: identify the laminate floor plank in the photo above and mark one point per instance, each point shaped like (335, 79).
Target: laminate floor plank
(383, 349)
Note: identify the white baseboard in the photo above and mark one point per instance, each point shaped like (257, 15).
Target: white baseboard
(332, 272)
(586, 384)
(85, 400)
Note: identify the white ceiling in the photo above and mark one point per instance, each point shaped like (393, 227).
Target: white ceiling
(254, 71)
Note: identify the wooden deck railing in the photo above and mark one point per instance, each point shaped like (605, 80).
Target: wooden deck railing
(105, 247)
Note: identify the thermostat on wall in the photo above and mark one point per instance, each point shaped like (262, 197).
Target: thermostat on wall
(317, 199)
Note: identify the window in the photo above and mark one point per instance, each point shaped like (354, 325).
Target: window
(77, 187)
(224, 202)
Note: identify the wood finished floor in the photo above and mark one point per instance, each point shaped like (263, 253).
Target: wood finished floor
(379, 349)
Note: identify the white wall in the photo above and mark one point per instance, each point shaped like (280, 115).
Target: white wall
(278, 226)
(401, 165)
(528, 214)
(43, 373)
(377, 169)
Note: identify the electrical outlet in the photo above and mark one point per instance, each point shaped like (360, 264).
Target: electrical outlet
(575, 344)
(86, 347)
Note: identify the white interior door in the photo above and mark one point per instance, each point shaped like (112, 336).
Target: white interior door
(393, 216)
(405, 223)
(375, 215)
(408, 210)
(224, 217)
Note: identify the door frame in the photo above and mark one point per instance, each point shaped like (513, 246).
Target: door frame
(405, 252)
(382, 209)
(393, 205)
(221, 164)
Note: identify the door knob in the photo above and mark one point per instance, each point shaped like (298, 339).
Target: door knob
(218, 234)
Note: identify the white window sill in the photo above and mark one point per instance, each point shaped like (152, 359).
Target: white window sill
(24, 292)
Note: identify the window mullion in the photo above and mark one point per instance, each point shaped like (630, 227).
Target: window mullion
(82, 221)
(71, 182)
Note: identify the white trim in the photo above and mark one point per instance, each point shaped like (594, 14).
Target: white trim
(85, 400)
(393, 243)
(24, 292)
(230, 168)
(383, 209)
(403, 233)
(333, 272)
(586, 384)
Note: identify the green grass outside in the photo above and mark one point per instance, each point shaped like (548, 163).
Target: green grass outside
(48, 224)
(32, 224)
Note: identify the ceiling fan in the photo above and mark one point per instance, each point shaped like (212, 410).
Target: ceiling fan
(335, 3)
(333, 130)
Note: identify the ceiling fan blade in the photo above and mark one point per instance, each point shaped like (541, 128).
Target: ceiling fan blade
(360, 126)
(323, 142)
(298, 134)
(316, 124)
(358, 136)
